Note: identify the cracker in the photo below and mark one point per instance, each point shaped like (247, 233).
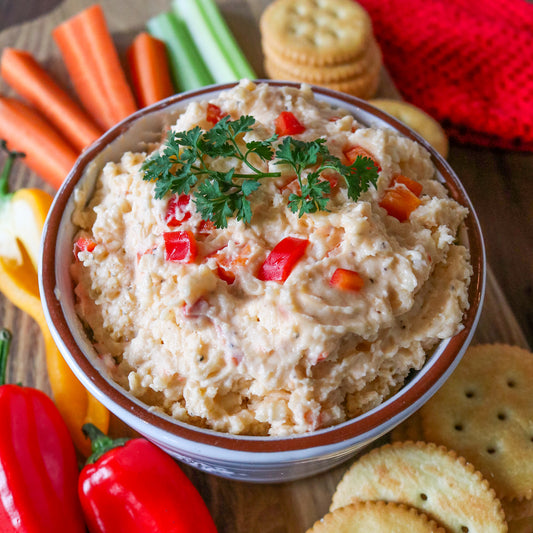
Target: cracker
(370, 61)
(485, 412)
(418, 120)
(316, 32)
(431, 478)
(376, 517)
(364, 86)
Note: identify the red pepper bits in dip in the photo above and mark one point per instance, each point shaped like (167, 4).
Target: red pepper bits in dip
(282, 259)
(254, 336)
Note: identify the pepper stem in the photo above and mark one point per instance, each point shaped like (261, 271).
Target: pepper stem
(4, 177)
(5, 343)
(100, 442)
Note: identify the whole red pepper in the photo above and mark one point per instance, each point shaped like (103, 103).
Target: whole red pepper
(133, 486)
(38, 467)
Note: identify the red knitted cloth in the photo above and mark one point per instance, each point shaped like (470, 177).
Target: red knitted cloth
(468, 63)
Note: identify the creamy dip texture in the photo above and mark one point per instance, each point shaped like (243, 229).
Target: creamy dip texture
(211, 344)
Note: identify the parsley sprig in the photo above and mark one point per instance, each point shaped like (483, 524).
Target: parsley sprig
(188, 162)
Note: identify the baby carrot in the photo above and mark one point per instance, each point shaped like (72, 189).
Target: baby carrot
(94, 66)
(148, 63)
(26, 130)
(20, 70)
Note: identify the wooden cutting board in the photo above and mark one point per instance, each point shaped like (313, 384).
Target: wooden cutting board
(237, 507)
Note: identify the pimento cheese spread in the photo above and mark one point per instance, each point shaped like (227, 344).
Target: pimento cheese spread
(209, 343)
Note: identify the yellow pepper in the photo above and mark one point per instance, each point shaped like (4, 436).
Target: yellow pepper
(22, 217)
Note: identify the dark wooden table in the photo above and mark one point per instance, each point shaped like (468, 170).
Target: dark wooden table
(499, 183)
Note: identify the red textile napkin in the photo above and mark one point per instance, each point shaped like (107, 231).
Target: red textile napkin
(468, 63)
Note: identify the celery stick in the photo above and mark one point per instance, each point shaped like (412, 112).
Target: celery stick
(186, 65)
(227, 40)
(221, 38)
(205, 40)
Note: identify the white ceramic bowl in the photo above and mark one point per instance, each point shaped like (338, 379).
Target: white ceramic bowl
(262, 459)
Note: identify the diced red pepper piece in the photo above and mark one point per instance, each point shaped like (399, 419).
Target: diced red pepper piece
(149, 251)
(177, 211)
(180, 246)
(213, 113)
(412, 185)
(331, 176)
(83, 244)
(399, 202)
(205, 227)
(293, 185)
(288, 124)
(346, 280)
(226, 266)
(282, 259)
(225, 275)
(351, 153)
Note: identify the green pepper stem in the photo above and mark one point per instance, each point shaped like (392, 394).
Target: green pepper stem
(100, 442)
(5, 343)
(6, 171)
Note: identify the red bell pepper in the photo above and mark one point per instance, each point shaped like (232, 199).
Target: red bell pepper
(282, 259)
(414, 186)
(83, 244)
(213, 113)
(205, 227)
(400, 202)
(346, 280)
(38, 468)
(353, 152)
(132, 486)
(180, 246)
(288, 124)
(225, 275)
(177, 211)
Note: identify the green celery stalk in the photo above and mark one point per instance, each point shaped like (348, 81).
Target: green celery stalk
(186, 65)
(205, 40)
(216, 42)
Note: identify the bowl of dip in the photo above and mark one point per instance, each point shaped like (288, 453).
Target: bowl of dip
(270, 344)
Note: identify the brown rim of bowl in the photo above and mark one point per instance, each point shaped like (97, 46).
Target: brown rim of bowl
(348, 430)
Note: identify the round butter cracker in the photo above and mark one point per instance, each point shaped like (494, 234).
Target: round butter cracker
(370, 61)
(418, 120)
(485, 412)
(431, 478)
(376, 517)
(363, 86)
(316, 32)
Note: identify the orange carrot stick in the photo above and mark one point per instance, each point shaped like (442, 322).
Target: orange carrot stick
(26, 130)
(148, 63)
(94, 66)
(82, 71)
(32, 82)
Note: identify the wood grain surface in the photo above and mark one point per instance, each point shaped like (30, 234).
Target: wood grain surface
(498, 182)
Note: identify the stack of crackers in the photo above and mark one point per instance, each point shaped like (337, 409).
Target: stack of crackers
(322, 42)
(463, 463)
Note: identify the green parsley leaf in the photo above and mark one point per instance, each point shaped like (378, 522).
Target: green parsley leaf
(361, 174)
(313, 197)
(184, 164)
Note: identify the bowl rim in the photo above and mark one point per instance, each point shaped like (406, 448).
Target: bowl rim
(391, 409)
